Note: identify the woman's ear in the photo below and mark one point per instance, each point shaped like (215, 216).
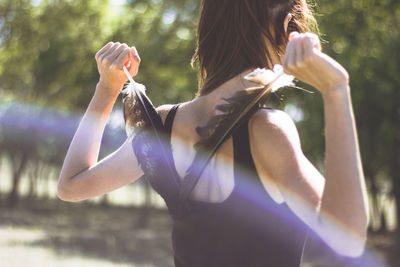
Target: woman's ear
(288, 18)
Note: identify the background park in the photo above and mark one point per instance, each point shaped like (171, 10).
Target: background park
(48, 75)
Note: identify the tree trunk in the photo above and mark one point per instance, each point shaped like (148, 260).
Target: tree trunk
(18, 168)
(45, 178)
(373, 196)
(33, 180)
(104, 201)
(383, 224)
(378, 209)
(374, 206)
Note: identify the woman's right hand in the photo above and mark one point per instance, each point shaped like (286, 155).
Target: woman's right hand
(110, 60)
(304, 60)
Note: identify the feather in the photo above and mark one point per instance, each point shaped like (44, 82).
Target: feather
(237, 109)
(153, 153)
(138, 109)
(134, 113)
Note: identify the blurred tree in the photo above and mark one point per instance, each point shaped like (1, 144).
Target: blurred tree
(38, 138)
(46, 52)
(16, 145)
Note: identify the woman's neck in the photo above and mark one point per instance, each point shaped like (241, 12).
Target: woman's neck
(226, 90)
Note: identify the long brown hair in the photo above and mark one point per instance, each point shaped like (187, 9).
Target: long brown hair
(232, 36)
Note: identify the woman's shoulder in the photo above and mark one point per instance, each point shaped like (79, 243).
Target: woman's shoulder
(163, 110)
(268, 117)
(272, 126)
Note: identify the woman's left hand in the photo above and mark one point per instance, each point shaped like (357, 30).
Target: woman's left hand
(304, 60)
(110, 61)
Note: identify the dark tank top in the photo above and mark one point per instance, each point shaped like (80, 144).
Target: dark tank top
(248, 229)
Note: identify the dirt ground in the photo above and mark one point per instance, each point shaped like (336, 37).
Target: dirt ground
(53, 233)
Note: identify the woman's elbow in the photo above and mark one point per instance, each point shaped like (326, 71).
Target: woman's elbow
(358, 239)
(65, 193)
(343, 240)
(63, 196)
(352, 247)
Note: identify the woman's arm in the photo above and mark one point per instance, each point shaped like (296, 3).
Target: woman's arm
(341, 198)
(81, 175)
(345, 195)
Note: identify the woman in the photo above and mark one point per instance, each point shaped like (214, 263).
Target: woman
(256, 221)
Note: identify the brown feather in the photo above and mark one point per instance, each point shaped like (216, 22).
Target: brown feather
(151, 150)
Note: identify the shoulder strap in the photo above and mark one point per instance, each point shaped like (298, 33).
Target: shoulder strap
(198, 166)
(241, 146)
(170, 119)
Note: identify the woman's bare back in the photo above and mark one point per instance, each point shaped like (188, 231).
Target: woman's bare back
(217, 181)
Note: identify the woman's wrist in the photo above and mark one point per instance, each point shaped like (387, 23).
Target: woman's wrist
(338, 92)
(106, 91)
(103, 100)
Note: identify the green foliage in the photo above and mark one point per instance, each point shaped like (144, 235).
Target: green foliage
(47, 52)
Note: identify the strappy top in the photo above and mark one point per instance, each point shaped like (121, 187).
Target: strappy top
(248, 229)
